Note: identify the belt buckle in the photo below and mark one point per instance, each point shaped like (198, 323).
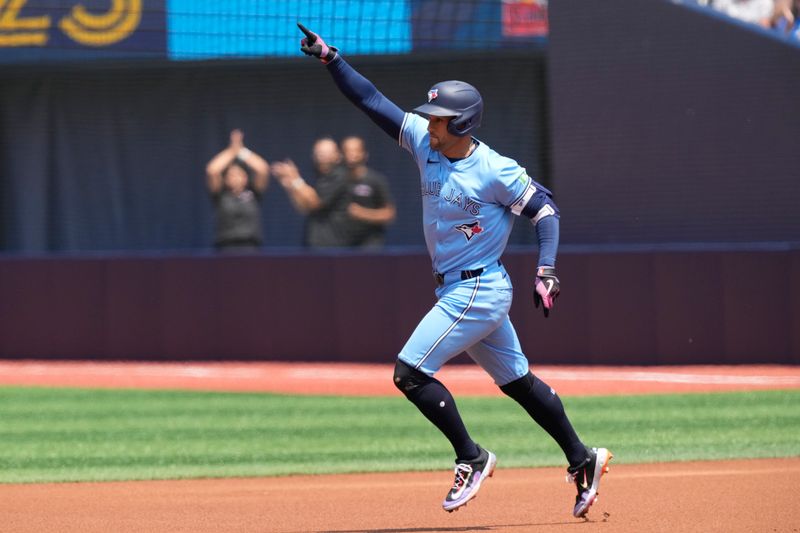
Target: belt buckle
(439, 278)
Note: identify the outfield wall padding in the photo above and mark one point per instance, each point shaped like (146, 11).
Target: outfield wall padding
(616, 308)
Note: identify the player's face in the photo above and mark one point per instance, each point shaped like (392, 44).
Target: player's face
(441, 139)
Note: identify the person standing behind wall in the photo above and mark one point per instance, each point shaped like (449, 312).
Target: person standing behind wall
(237, 196)
(322, 203)
(343, 209)
(371, 208)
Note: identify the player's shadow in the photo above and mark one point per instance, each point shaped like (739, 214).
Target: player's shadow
(465, 529)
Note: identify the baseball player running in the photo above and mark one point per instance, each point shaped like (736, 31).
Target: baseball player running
(470, 194)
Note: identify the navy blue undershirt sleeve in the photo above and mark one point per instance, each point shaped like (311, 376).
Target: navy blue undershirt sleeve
(366, 97)
(547, 226)
(547, 230)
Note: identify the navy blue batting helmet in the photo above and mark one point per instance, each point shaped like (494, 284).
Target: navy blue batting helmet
(456, 99)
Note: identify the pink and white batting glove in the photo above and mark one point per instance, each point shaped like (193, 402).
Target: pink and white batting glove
(547, 289)
(313, 45)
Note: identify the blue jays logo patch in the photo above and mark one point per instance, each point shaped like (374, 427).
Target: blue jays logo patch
(469, 230)
(433, 94)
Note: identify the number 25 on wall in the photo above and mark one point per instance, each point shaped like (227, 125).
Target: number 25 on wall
(105, 29)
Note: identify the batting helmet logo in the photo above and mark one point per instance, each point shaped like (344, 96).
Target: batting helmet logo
(433, 94)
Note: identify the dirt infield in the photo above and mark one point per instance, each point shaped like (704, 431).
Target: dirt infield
(754, 495)
(725, 496)
(375, 379)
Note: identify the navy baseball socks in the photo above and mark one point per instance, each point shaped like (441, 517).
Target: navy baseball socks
(436, 403)
(545, 407)
(586, 477)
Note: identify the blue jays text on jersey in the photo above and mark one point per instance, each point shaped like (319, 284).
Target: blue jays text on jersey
(452, 196)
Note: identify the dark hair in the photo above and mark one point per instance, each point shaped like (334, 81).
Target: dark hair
(240, 164)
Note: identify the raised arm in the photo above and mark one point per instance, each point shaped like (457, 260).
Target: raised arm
(258, 165)
(353, 85)
(220, 162)
(236, 150)
(302, 195)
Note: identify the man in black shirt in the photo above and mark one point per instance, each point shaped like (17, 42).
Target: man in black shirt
(237, 196)
(348, 206)
(371, 208)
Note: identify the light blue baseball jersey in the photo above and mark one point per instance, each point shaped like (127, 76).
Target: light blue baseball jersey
(467, 205)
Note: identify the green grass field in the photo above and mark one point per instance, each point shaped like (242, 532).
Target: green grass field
(80, 435)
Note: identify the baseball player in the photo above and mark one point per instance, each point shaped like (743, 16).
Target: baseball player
(470, 195)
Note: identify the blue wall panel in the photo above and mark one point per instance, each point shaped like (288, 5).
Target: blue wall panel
(246, 28)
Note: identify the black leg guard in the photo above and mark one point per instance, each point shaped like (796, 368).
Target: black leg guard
(545, 407)
(409, 379)
(437, 404)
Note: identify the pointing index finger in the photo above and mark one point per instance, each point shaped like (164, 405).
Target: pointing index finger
(311, 36)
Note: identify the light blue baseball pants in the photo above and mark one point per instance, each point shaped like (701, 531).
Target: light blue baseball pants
(470, 316)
